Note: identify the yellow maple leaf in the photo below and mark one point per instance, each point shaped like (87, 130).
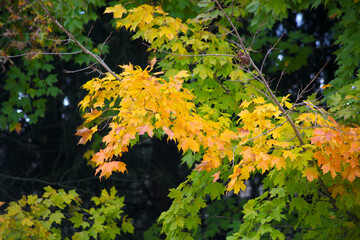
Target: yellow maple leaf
(118, 10)
(236, 185)
(182, 74)
(94, 113)
(189, 143)
(289, 154)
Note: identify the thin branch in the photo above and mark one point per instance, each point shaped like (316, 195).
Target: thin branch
(71, 36)
(192, 55)
(257, 31)
(270, 50)
(38, 53)
(42, 181)
(281, 75)
(301, 94)
(268, 131)
(262, 76)
(80, 70)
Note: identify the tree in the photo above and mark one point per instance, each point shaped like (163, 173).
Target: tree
(210, 95)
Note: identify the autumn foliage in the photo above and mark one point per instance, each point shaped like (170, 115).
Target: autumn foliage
(204, 91)
(261, 137)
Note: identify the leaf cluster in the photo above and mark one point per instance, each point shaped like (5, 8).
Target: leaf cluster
(45, 217)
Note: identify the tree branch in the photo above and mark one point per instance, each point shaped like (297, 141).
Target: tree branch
(38, 53)
(263, 80)
(72, 37)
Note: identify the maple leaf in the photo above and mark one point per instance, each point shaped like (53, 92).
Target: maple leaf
(242, 132)
(189, 143)
(118, 10)
(259, 100)
(279, 162)
(311, 173)
(99, 157)
(227, 135)
(168, 132)
(320, 157)
(337, 189)
(318, 136)
(18, 128)
(216, 176)
(351, 173)
(204, 165)
(248, 154)
(289, 154)
(329, 167)
(236, 185)
(263, 165)
(86, 134)
(355, 147)
(109, 167)
(92, 115)
(182, 74)
(145, 128)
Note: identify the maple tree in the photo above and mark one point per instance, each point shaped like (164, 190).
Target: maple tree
(265, 133)
(204, 91)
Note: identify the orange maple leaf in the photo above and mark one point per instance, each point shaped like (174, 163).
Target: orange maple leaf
(248, 154)
(189, 143)
(310, 173)
(318, 136)
(168, 132)
(279, 162)
(351, 173)
(18, 128)
(242, 132)
(99, 157)
(109, 167)
(204, 165)
(145, 128)
(329, 167)
(85, 134)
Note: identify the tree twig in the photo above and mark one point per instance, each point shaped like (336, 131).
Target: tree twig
(72, 37)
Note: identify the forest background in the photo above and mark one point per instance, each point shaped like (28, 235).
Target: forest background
(304, 48)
